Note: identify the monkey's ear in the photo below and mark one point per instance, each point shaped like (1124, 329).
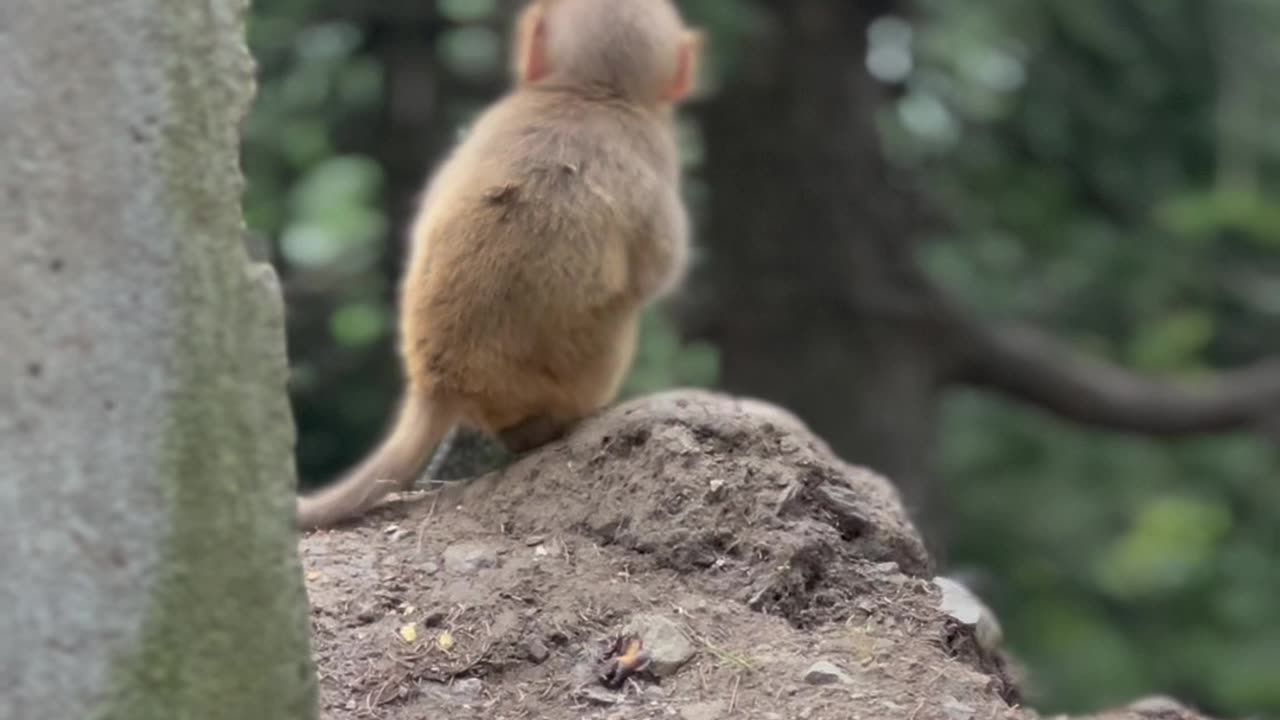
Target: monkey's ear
(686, 75)
(531, 44)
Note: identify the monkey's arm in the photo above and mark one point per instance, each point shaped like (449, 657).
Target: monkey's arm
(659, 256)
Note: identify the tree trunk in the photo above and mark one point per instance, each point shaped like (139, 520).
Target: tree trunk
(811, 290)
(150, 566)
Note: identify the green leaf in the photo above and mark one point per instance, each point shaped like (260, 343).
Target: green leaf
(1172, 539)
(461, 11)
(359, 324)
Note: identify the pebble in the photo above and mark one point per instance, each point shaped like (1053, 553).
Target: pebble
(713, 710)
(825, 673)
(665, 643)
(466, 558)
(368, 613)
(1158, 706)
(536, 652)
(965, 607)
(600, 697)
(957, 710)
(468, 687)
(655, 692)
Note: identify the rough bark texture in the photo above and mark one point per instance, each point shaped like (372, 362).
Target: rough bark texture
(146, 477)
(810, 288)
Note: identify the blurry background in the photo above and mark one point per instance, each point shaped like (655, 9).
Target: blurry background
(878, 187)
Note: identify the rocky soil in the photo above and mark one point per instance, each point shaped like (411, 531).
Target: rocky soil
(688, 556)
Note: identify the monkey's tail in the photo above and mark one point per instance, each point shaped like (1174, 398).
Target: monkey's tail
(395, 465)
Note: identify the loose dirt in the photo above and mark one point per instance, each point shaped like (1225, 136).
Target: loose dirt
(717, 532)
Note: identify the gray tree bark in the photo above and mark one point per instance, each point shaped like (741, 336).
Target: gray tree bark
(811, 291)
(149, 565)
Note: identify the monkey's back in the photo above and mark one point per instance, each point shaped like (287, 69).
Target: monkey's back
(519, 286)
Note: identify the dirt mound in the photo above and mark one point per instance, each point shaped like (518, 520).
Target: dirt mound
(683, 556)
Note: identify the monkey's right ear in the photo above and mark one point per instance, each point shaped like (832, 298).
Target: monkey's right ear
(682, 85)
(531, 44)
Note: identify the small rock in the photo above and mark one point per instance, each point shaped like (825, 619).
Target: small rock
(469, 688)
(533, 540)
(965, 607)
(847, 505)
(825, 673)
(957, 710)
(536, 652)
(655, 692)
(663, 641)
(430, 568)
(367, 613)
(1159, 707)
(958, 602)
(466, 558)
(703, 711)
(886, 567)
(599, 697)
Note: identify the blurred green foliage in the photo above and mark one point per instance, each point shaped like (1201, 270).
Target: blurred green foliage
(1108, 169)
(1100, 164)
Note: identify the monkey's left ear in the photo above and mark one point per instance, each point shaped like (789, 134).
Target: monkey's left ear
(682, 84)
(531, 45)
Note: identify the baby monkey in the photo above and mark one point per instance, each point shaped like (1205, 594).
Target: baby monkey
(538, 242)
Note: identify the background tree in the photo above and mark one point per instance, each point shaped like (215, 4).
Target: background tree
(880, 188)
(868, 340)
(150, 566)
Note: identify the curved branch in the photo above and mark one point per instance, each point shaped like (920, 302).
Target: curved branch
(1033, 367)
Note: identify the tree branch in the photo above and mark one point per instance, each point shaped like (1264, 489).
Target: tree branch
(1035, 368)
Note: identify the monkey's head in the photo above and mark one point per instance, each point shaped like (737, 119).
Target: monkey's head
(638, 48)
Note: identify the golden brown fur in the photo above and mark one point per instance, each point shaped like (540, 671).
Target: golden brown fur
(539, 241)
